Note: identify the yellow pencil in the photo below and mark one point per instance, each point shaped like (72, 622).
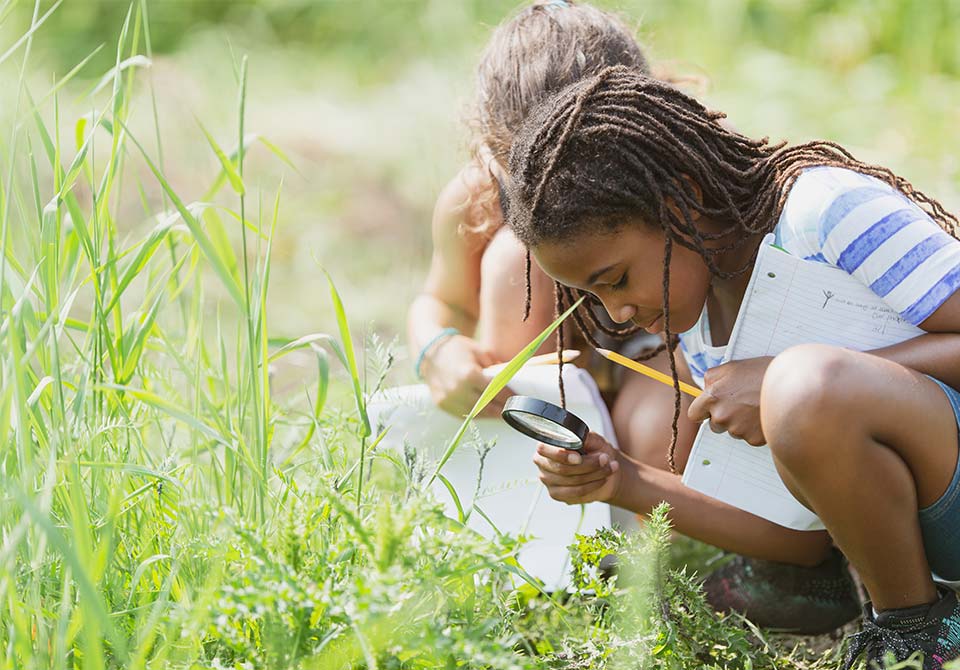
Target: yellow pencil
(648, 371)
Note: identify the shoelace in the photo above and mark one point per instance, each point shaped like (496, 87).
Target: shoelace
(875, 640)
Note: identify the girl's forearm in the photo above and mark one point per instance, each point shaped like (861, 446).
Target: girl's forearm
(934, 354)
(708, 520)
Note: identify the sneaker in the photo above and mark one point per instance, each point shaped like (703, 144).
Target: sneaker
(933, 630)
(788, 598)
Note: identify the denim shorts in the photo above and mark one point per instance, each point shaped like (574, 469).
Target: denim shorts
(940, 522)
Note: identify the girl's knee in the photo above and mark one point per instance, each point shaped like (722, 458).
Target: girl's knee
(642, 416)
(503, 291)
(804, 400)
(503, 282)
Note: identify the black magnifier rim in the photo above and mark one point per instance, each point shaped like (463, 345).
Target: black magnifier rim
(547, 410)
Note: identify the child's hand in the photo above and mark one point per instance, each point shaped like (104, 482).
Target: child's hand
(731, 399)
(591, 476)
(454, 372)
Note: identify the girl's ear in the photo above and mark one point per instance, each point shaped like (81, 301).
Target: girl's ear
(695, 187)
(694, 214)
(677, 212)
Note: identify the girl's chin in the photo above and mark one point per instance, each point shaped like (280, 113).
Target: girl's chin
(678, 324)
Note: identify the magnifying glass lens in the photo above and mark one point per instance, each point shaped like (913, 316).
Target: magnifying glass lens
(547, 428)
(545, 421)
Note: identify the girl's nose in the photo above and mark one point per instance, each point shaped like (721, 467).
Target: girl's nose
(619, 312)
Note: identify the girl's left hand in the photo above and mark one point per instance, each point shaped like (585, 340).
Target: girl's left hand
(731, 399)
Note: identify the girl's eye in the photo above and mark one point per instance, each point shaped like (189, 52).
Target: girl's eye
(620, 283)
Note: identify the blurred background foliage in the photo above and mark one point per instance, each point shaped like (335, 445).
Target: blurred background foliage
(366, 97)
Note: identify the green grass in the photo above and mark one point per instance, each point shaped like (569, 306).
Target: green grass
(165, 504)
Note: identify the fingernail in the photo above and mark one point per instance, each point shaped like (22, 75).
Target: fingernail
(604, 459)
(574, 458)
(614, 466)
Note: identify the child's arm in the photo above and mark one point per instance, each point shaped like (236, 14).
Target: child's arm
(936, 353)
(883, 239)
(732, 399)
(605, 474)
(452, 365)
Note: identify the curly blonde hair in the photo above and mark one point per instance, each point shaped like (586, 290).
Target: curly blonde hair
(543, 48)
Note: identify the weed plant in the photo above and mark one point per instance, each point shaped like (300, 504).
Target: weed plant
(162, 509)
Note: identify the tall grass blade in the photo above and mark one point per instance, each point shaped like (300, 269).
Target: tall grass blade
(209, 252)
(350, 359)
(498, 383)
(236, 181)
(461, 516)
(33, 28)
(92, 598)
(114, 72)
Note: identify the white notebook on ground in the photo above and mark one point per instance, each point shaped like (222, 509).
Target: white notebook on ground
(788, 301)
(510, 492)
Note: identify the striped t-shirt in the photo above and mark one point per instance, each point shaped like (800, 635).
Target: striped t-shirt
(868, 229)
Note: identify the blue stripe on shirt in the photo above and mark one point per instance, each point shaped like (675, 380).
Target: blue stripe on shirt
(909, 262)
(932, 299)
(844, 204)
(870, 240)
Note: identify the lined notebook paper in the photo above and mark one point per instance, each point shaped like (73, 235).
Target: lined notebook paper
(788, 301)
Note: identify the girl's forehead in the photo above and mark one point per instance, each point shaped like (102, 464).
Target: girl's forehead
(580, 258)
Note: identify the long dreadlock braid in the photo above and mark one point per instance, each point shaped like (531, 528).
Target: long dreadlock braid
(619, 146)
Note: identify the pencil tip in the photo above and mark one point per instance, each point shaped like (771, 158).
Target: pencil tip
(603, 352)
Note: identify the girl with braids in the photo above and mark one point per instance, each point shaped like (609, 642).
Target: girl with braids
(468, 314)
(627, 189)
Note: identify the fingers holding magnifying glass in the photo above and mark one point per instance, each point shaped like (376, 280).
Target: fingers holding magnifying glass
(566, 463)
(579, 477)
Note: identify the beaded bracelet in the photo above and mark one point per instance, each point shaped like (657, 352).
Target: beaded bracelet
(442, 335)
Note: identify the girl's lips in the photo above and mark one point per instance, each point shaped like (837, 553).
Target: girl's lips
(653, 327)
(656, 326)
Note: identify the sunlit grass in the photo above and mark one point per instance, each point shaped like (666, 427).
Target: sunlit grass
(161, 508)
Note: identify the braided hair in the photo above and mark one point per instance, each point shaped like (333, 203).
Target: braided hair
(620, 145)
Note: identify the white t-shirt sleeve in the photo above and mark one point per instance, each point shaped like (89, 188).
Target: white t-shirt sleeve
(875, 233)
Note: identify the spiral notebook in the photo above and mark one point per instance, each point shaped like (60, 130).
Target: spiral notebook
(788, 301)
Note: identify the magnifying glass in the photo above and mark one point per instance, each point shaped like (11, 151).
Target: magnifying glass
(545, 422)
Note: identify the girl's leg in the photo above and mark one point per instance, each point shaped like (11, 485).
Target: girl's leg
(501, 328)
(865, 443)
(642, 415)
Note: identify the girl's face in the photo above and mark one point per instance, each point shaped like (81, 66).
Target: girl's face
(624, 269)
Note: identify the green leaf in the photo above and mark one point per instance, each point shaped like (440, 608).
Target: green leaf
(147, 248)
(111, 75)
(171, 409)
(236, 181)
(461, 517)
(351, 360)
(206, 246)
(498, 383)
(33, 29)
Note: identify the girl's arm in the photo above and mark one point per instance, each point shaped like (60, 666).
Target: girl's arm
(936, 353)
(452, 364)
(451, 292)
(605, 474)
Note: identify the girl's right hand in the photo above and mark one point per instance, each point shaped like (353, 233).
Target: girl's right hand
(453, 370)
(593, 475)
